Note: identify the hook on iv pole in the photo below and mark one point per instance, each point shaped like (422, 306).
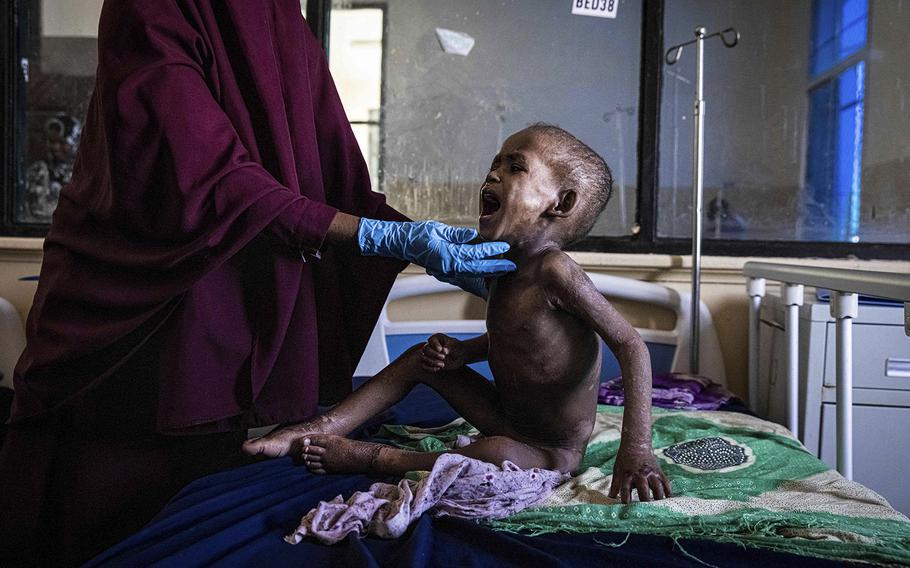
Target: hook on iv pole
(729, 37)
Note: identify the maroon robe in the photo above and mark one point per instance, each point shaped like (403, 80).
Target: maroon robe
(179, 277)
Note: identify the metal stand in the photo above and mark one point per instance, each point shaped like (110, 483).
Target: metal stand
(844, 309)
(793, 299)
(755, 287)
(729, 37)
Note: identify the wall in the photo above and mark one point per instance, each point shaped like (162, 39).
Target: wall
(886, 141)
(69, 32)
(70, 18)
(19, 258)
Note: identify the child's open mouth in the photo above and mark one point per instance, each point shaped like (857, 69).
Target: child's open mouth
(489, 203)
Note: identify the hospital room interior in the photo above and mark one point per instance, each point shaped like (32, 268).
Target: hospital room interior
(756, 237)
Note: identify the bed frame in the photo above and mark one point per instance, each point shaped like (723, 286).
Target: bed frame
(386, 340)
(845, 286)
(12, 341)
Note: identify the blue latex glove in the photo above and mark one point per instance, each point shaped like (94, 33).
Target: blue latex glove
(441, 249)
(474, 284)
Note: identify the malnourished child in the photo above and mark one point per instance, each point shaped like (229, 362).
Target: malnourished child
(544, 191)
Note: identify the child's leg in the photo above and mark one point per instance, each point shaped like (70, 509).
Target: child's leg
(471, 395)
(335, 454)
(474, 397)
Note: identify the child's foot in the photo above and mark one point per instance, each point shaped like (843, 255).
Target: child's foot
(282, 441)
(336, 454)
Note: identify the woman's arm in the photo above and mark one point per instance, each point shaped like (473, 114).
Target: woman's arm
(181, 178)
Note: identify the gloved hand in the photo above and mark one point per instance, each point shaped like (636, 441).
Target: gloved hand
(441, 249)
(474, 284)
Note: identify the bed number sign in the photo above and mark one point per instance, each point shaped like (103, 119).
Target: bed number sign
(599, 8)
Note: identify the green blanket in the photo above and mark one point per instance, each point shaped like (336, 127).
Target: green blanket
(735, 478)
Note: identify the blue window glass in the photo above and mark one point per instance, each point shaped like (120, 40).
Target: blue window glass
(834, 162)
(824, 35)
(835, 144)
(849, 152)
(820, 165)
(852, 29)
(839, 30)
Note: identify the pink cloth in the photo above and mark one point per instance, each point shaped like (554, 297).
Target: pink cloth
(457, 486)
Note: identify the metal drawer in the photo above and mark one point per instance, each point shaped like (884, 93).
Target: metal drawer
(881, 357)
(878, 460)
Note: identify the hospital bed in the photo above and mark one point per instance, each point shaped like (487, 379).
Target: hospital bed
(239, 517)
(12, 341)
(669, 348)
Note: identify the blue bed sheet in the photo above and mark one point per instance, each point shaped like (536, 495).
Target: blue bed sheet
(238, 518)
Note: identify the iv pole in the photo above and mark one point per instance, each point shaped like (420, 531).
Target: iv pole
(672, 57)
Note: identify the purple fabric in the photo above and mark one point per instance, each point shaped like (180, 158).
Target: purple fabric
(457, 486)
(678, 391)
(215, 150)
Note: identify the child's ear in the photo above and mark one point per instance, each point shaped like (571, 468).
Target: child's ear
(565, 205)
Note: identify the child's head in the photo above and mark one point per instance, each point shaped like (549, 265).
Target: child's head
(544, 183)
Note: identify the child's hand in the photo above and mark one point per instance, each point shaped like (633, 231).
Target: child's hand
(637, 468)
(442, 353)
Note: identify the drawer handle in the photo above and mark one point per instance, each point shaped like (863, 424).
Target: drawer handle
(896, 367)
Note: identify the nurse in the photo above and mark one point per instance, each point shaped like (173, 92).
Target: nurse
(217, 262)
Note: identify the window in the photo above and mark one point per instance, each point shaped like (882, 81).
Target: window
(838, 31)
(356, 48)
(444, 114)
(833, 165)
(807, 130)
(755, 113)
(807, 146)
(834, 161)
(47, 92)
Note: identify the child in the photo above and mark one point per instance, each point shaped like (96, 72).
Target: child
(543, 192)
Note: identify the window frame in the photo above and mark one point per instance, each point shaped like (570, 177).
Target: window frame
(644, 241)
(831, 76)
(647, 240)
(380, 122)
(13, 123)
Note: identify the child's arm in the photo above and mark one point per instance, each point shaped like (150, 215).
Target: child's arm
(444, 353)
(571, 290)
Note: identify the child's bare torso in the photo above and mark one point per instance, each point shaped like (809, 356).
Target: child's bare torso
(545, 361)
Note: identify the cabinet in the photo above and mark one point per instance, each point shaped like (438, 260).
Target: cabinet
(881, 390)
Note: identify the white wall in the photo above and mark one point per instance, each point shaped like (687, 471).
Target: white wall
(70, 18)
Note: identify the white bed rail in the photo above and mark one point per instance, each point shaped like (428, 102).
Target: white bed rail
(376, 356)
(845, 286)
(12, 341)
